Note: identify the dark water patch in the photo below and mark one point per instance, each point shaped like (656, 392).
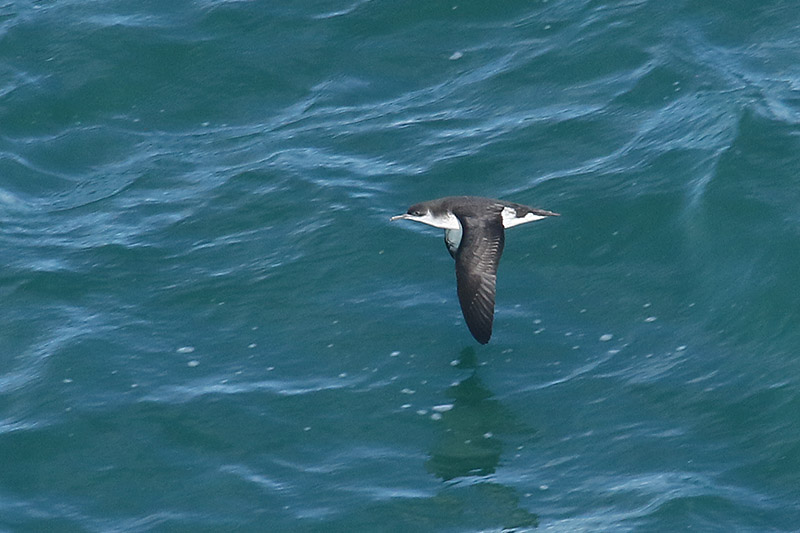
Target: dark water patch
(747, 221)
(209, 322)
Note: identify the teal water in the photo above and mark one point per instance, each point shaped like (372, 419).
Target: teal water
(209, 324)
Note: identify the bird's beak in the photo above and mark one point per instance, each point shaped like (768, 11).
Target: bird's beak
(398, 217)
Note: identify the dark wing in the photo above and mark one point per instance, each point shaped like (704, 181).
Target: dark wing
(476, 271)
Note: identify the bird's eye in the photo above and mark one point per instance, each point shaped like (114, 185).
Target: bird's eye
(415, 212)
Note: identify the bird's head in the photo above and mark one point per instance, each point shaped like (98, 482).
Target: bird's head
(423, 213)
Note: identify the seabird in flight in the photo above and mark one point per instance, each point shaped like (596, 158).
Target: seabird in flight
(474, 232)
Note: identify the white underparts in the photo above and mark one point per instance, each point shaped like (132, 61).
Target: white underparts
(510, 218)
(447, 221)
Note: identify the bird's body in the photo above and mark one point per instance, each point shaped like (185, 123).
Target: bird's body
(474, 232)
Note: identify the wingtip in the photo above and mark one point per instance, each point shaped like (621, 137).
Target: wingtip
(481, 336)
(479, 326)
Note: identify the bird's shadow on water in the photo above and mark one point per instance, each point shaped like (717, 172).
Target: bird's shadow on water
(469, 449)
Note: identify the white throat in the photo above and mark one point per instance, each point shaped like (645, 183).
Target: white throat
(447, 221)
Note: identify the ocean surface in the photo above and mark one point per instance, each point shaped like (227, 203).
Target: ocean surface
(208, 323)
